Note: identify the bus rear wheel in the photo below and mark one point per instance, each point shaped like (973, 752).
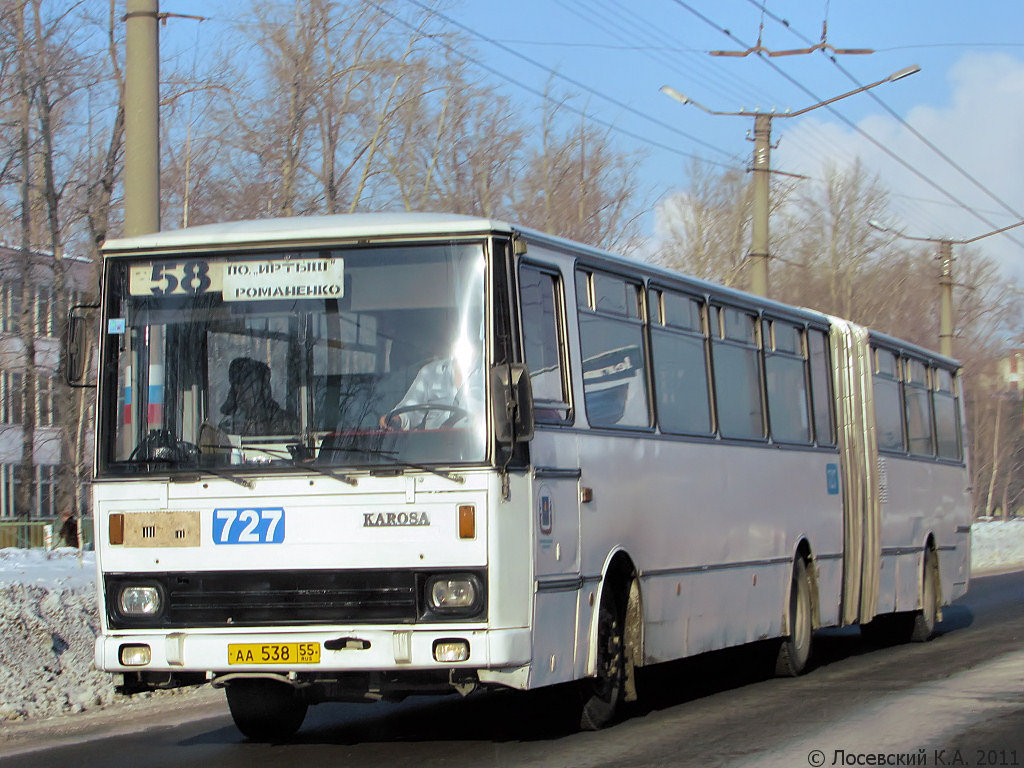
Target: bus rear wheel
(924, 622)
(265, 710)
(911, 626)
(603, 694)
(795, 650)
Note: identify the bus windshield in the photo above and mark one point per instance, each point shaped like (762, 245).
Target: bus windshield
(342, 357)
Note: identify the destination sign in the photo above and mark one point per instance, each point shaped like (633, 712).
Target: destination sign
(265, 280)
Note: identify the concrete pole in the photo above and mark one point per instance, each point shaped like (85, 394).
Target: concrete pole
(759, 237)
(946, 298)
(141, 127)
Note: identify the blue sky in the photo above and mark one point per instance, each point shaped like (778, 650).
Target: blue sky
(945, 141)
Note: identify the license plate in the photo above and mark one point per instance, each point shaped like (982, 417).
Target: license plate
(274, 653)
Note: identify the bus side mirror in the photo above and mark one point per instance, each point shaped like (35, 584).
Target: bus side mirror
(78, 345)
(512, 403)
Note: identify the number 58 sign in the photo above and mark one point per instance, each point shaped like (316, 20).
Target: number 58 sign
(188, 278)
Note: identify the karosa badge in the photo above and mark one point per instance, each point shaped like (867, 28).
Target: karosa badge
(394, 519)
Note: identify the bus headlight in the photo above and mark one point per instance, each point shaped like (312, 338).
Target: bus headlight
(459, 593)
(141, 601)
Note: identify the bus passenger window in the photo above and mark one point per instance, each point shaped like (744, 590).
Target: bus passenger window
(786, 379)
(821, 388)
(542, 342)
(947, 415)
(737, 376)
(917, 398)
(614, 374)
(679, 362)
(888, 406)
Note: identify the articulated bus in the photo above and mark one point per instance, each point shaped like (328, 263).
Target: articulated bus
(352, 458)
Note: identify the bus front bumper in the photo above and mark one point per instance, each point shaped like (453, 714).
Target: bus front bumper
(336, 650)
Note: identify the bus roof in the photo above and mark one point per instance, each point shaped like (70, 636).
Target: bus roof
(297, 229)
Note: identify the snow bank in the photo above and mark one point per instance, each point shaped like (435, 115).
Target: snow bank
(997, 545)
(49, 620)
(48, 626)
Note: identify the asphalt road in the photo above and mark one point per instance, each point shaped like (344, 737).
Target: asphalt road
(957, 700)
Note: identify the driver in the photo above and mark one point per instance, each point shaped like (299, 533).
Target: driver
(443, 393)
(250, 408)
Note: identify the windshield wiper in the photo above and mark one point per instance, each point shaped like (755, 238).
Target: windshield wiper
(190, 471)
(229, 476)
(398, 464)
(308, 464)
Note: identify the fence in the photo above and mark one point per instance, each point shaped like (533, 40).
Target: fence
(32, 534)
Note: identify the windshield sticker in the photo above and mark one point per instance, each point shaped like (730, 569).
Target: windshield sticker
(242, 280)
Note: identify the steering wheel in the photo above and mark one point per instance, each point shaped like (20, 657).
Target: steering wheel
(456, 413)
(161, 445)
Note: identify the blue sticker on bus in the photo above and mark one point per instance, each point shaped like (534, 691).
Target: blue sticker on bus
(249, 525)
(832, 479)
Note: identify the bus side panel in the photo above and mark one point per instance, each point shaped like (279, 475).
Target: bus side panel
(920, 499)
(713, 536)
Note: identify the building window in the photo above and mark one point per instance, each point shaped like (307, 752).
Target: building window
(12, 403)
(10, 307)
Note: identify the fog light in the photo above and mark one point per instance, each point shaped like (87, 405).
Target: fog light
(140, 601)
(448, 651)
(135, 655)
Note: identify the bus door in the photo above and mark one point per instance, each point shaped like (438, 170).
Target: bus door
(556, 478)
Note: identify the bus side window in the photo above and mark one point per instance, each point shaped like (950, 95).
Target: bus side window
(888, 403)
(734, 355)
(786, 379)
(947, 415)
(539, 296)
(611, 334)
(821, 388)
(917, 400)
(680, 363)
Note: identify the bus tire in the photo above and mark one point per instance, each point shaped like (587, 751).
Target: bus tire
(265, 710)
(795, 650)
(603, 693)
(927, 617)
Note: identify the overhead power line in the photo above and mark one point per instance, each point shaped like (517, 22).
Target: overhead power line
(935, 185)
(575, 83)
(899, 118)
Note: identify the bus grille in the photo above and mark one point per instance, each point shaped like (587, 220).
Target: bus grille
(274, 598)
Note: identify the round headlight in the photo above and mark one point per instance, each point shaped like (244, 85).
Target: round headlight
(140, 601)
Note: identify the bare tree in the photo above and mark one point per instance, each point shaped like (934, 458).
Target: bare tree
(708, 226)
(576, 184)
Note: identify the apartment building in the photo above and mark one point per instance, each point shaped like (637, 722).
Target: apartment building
(57, 433)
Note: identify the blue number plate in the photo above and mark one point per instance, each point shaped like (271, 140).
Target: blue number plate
(254, 525)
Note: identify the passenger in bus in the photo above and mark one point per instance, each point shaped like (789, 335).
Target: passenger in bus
(250, 408)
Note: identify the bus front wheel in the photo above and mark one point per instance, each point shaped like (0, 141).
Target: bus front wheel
(795, 650)
(604, 693)
(265, 710)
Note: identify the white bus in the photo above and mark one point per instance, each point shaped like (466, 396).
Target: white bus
(368, 456)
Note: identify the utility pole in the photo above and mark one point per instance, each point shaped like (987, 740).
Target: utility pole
(945, 275)
(946, 297)
(759, 251)
(141, 126)
(759, 229)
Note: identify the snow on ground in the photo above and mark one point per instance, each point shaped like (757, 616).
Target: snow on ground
(49, 620)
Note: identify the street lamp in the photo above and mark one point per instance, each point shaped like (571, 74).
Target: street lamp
(945, 276)
(762, 167)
